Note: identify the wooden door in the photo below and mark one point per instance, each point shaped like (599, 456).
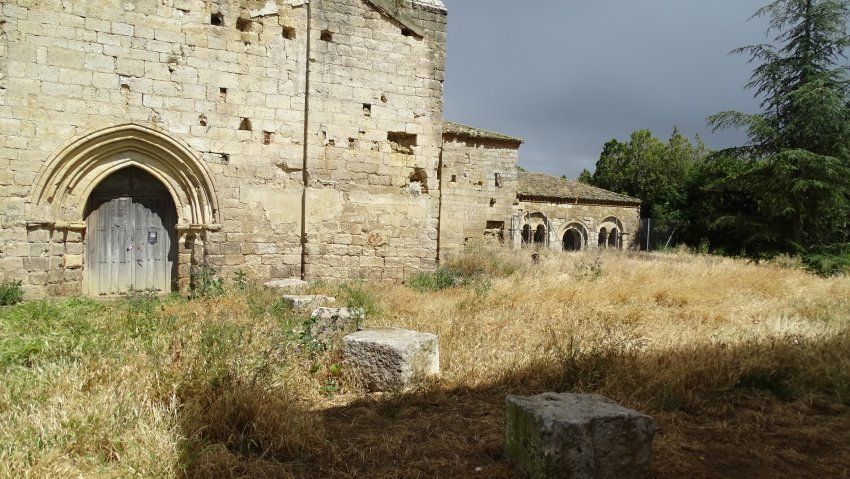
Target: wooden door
(130, 235)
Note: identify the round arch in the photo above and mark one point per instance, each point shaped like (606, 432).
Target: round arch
(608, 227)
(574, 236)
(66, 181)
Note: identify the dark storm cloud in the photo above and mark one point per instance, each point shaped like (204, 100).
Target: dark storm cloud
(569, 75)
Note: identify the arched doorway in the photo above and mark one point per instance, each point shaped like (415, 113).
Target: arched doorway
(540, 234)
(526, 234)
(603, 237)
(572, 240)
(614, 238)
(131, 241)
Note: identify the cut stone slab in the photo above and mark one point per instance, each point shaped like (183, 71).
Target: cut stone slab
(577, 436)
(392, 359)
(305, 302)
(290, 284)
(328, 324)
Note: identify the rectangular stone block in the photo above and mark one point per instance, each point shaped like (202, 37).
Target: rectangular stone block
(392, 359)
(577, 436)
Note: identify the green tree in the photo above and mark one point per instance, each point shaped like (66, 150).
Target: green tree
(796, 167)
(585, 177)
(649, 169)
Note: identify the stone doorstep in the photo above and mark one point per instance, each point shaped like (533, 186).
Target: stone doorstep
(293, 284)
(577, 436)
(305, 302)
(392, 359)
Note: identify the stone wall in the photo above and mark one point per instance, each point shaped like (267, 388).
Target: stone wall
(376, 110)
(476, 205)
(226, 81)
(588, 219)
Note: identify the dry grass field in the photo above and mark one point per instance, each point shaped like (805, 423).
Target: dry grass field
(746, 369)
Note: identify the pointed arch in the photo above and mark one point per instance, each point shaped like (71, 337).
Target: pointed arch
(64, 184)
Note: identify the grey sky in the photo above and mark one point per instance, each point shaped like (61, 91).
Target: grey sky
(569, 75)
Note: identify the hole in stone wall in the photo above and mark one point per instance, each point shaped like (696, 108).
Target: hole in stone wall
(352, 143)
(217, 19)
(402, 142)
(407, 32)
(383, 98)
(492, 202)
(244, 24)
(268, 137)
(288, 33)
(326, 36)
(367, 109)
(454, 178)
(212, 157)
(202, 120)
(331, 142)
(498, 180)
(222, 94)
(245, 125)
(419, 178)
(125, 88)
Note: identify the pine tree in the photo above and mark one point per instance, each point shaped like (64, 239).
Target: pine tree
(797, 171)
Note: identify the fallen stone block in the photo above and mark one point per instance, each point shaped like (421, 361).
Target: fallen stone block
(327, 324)
(291, 284)
(392, 359)
(577, 436)
(306, 302)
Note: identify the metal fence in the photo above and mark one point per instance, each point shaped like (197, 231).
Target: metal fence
(654, 235)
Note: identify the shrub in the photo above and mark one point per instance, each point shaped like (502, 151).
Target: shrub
(204, 282)
(829, 260)
(11, 293)
(442, 278)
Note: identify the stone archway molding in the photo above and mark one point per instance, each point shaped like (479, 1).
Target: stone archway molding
(64, 184)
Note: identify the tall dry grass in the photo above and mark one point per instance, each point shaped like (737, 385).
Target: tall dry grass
(745, 367)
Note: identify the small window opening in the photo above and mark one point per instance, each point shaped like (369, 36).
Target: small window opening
(288, 33)
(326, 36)
(367, 109)
(492, 202)
(244, 24)
(454, 178)
(245, 125)
(407, 32)
(202, 120)
(495, 229)
(222, 94)
(419, 179)
(402, 142)
(217, 19)
(268, 137)
(498, 180)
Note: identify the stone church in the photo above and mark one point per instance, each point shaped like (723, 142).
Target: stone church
(283, 138)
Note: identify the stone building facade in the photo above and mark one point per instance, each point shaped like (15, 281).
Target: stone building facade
(140, 139)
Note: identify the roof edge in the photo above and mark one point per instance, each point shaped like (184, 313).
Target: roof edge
(577, 200)
(451, 128)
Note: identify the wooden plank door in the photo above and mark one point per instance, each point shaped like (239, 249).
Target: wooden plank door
(130, 239)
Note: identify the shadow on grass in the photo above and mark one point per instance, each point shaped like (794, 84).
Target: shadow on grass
(770, 409)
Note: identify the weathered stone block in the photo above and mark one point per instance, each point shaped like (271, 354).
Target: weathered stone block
(305, 302)
(392, 359)
(328, 324)
(291, 284)
(577, 436)
(73, 261)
